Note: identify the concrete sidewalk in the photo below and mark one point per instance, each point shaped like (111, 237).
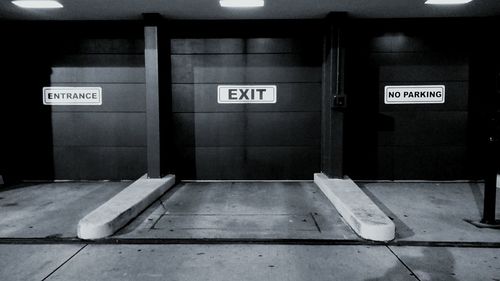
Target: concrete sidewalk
(246, 262)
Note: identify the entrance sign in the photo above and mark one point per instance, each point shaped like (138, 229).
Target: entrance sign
(246, 94)
(414, 94)
(72, 95)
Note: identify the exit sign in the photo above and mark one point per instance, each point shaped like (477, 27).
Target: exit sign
(246, 94)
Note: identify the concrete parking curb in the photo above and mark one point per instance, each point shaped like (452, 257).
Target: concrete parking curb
(126, 205)
(358, 210)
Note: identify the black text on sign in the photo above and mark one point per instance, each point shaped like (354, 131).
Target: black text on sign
(414, 94)
(246, 94)
(72, 95)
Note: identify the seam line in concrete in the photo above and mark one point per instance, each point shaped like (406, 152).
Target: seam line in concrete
(66, 261)
(403, 263)
(156, 222)
(162, 204)
(235, 215)
(243, 241)
(315, 222)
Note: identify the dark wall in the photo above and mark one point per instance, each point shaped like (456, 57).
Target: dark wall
(228, 141)
(74, 142)
(263, 141)
(409, 142)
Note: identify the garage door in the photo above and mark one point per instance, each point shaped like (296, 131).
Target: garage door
(246, 141)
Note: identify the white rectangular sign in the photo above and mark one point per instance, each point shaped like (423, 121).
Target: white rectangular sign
(72, 95)
(246, 94)
(414, 94)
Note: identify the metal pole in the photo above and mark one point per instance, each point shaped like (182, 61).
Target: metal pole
(490, 188)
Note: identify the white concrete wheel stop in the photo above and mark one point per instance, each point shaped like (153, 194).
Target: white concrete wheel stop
(123, 207)
(357, 209)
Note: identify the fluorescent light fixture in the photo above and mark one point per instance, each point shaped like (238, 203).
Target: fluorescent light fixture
(38, 4)
(447, 2)
(241, 3)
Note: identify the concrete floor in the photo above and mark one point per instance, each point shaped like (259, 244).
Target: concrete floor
(442, 263)
(51, 210)
(422, 212)
(433, 211)
(246, 262)
(232, 262)
(241, 210)
(33, 262)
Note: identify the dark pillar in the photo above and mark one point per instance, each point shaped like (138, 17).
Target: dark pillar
(153, 132)
(492, 154)
(484, 104)
(334, 99)
(491, 66)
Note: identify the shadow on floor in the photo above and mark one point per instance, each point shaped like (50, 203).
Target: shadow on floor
(423, 265)
(402, 230)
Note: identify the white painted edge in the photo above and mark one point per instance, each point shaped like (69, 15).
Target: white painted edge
(123, 207)
(357, 209)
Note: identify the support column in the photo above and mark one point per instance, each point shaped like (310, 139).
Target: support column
(492, 154)
(153, 128)
(484, 111)
(333, 98)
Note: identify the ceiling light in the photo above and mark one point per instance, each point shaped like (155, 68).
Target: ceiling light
(38, 4)
(241, 3)
(447, 2)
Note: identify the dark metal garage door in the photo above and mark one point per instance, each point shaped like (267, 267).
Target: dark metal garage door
(246, 141)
